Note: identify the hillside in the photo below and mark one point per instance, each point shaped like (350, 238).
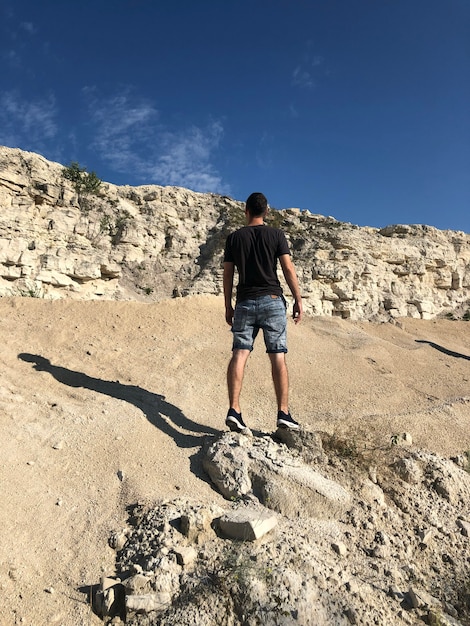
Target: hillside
(148, 243)
(108, 404)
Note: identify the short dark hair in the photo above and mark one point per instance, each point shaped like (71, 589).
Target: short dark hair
(256, 204)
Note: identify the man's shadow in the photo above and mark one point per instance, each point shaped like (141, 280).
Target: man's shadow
(165, 416)
(436, 346)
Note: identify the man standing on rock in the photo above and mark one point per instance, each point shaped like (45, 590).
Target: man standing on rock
(254, 251)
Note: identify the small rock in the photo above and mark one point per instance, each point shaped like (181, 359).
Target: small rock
(381, 552)
(108, 601)
(58, 446)
(351, 614)
(420, 599)
(442, 487)
(13, 573)
(464, 527)
(107, 582)
(137, 584)
(117, 541)
(413, 599)
(196, 525)
(247, 524)
(408, 470)
(185, 555)
(382, 538)
(396, 593)
(402, 439)
(373, 493)
(426, 537)
(352, 586)
(148, 603)
(340, 548)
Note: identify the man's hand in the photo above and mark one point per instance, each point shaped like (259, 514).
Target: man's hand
(293, 283)
(229, 315)
(229, 271)
(298, 312)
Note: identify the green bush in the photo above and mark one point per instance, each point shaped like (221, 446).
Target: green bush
(83, 182)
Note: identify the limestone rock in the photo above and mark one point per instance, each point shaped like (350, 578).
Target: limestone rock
(196, 524)
(239, 466)
(408, 470)
(309, 444)
(152, 242)
(247, 524)
(148, 603)
(227, 466)
(185, 556)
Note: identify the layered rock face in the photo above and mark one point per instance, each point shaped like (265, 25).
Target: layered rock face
(151, 242)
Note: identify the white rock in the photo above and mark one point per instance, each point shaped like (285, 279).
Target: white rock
(247, 524)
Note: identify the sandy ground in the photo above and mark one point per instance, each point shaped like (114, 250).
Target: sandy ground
(103, 404)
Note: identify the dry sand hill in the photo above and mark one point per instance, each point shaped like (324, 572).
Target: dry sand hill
(103, 404)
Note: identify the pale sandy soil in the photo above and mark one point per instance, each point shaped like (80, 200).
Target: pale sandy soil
(106, 403)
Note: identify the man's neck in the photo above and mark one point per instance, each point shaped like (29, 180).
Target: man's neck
(255, 221)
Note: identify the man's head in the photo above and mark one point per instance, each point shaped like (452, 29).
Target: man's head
(257, 205)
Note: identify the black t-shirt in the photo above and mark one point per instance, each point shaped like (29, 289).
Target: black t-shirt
(255, 250)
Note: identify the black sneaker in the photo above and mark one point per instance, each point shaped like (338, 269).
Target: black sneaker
(235, 422)
(285, 420)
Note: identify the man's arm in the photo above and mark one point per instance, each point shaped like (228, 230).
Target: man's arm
(229, 271)
(290, 275)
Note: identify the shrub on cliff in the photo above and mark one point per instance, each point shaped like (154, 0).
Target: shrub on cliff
(83, 182)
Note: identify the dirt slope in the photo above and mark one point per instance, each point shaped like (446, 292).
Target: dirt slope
(106, 403)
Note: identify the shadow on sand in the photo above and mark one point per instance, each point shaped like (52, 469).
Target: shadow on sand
(165, 416)
(436, 346)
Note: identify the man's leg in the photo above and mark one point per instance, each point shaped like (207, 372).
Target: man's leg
(281, 385)
(280, 380)
(235, 371)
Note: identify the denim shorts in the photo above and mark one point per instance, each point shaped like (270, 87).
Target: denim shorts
(265, 312)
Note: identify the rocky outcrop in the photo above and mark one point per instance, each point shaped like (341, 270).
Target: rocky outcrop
(153, 242)
(395, 550)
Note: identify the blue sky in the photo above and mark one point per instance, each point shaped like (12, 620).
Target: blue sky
(359, 109)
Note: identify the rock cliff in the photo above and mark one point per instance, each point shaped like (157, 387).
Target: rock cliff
(151, 242)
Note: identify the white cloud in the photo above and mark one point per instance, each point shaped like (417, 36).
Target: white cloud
(27, 124)
(302, 78)
(305, 73)
(28, 27)
(131, 136)
(185, 159)
(122, 124)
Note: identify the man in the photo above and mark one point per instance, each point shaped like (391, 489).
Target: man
(254, 251)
